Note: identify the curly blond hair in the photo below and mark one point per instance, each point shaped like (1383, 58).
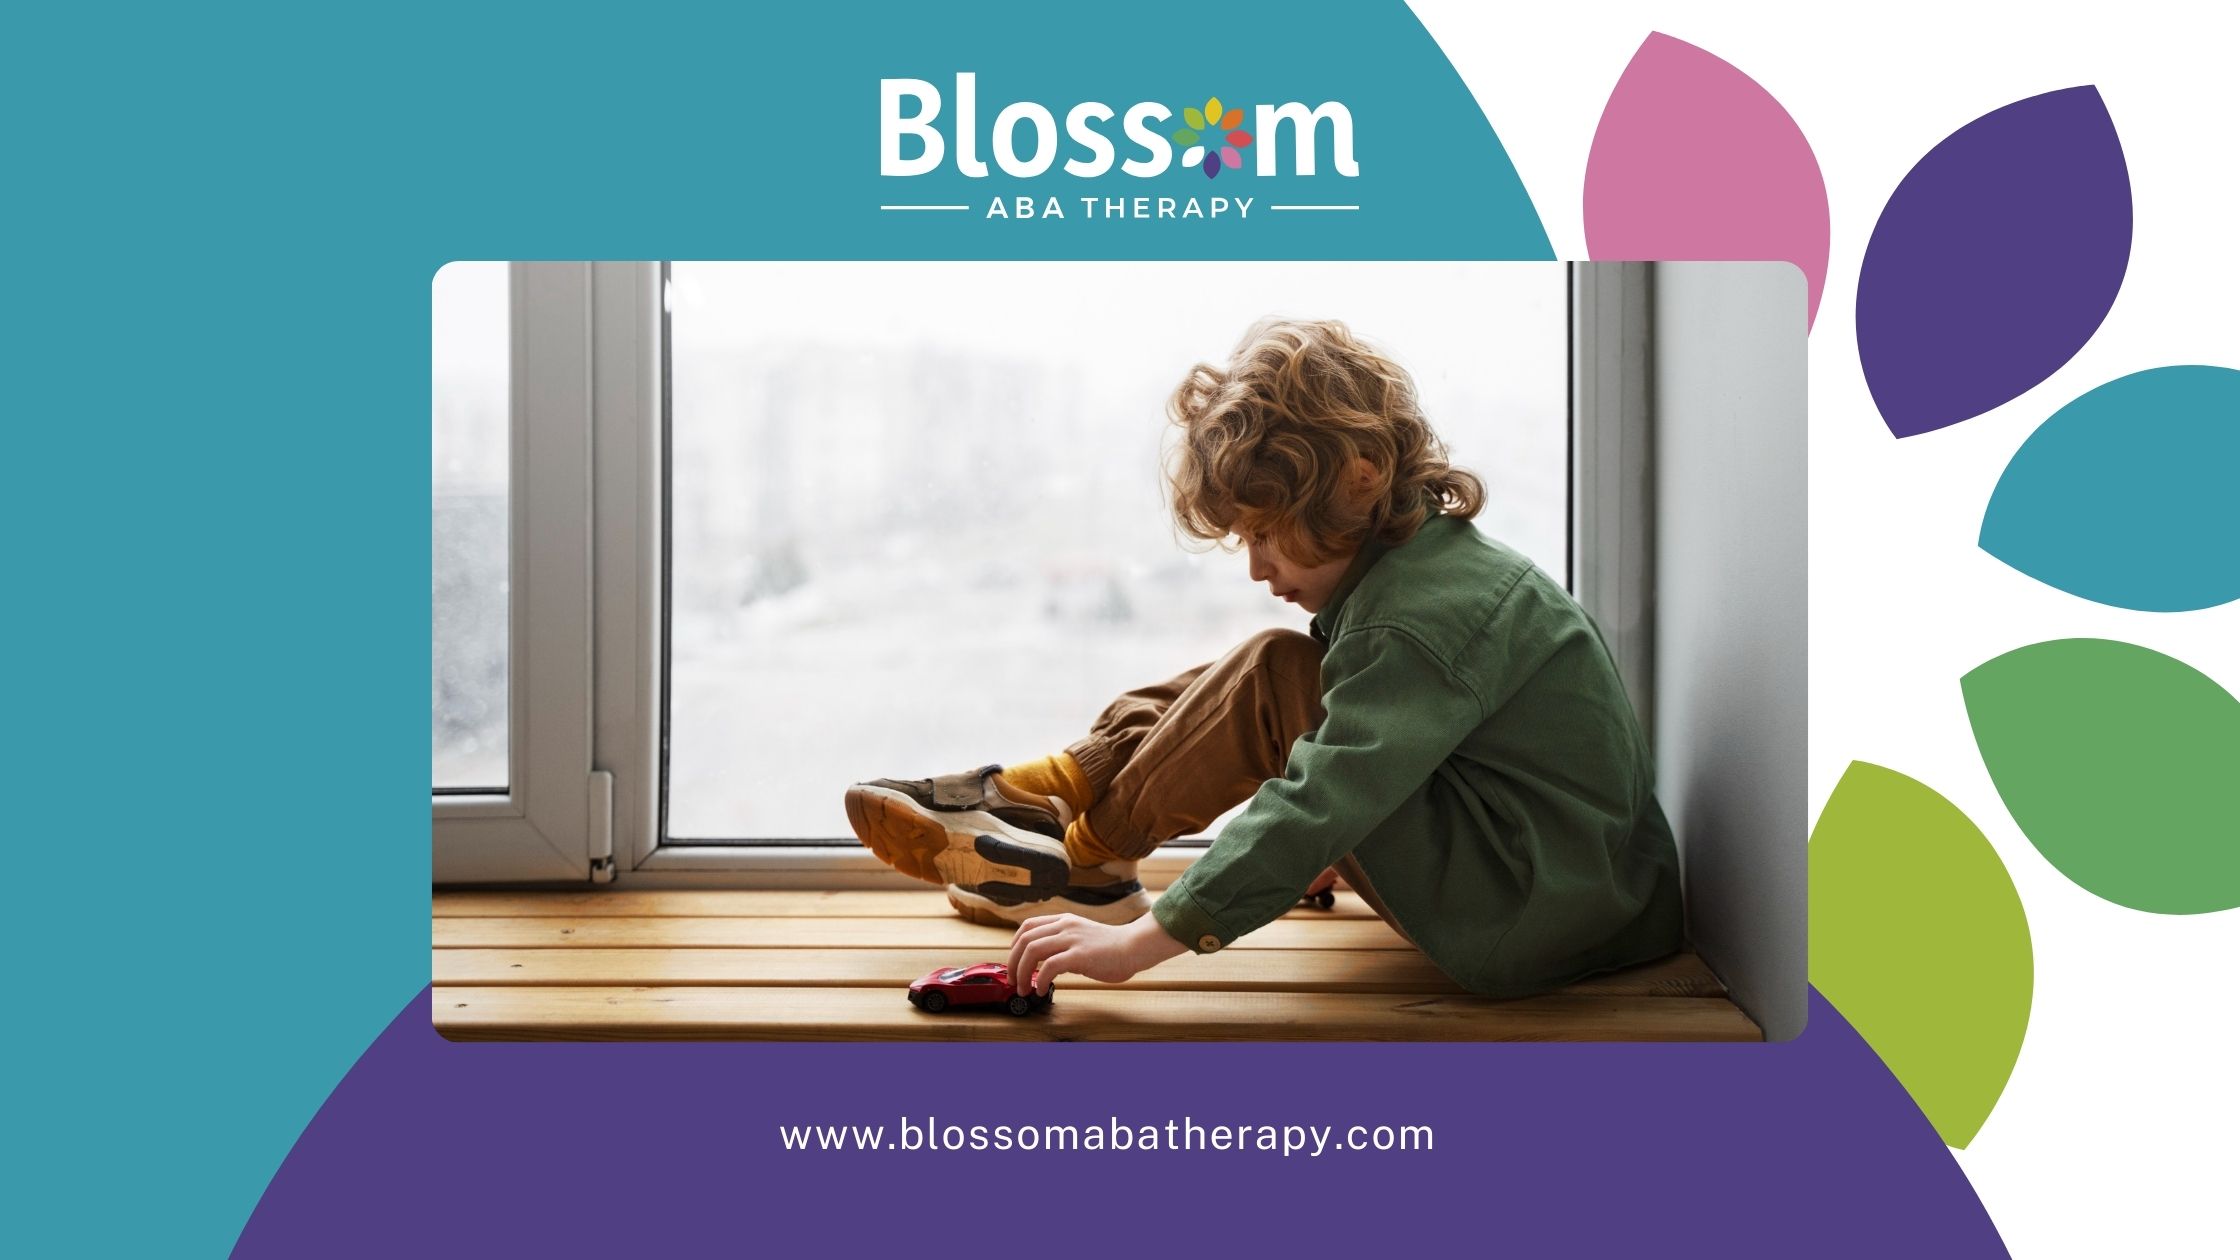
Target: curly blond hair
(1266, 444)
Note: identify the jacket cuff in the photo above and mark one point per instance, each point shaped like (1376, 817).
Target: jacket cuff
(1187, 921)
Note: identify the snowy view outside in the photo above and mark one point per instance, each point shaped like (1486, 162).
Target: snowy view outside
(918, 522)
(471, 359)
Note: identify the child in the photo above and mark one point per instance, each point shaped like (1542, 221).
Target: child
(1453, 738)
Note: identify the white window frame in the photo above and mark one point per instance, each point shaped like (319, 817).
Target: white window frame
(550, 823)
(589, 519)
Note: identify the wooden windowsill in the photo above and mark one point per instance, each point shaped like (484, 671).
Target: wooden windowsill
(833, 966)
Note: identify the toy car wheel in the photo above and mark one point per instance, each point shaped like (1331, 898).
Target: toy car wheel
(1019, 1005)
(935, 1003)
(1326, 899)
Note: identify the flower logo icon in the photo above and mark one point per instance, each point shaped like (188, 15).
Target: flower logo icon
(1202, 153)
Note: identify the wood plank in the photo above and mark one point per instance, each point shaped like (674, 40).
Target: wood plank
(724, 903)
(844, 1014)
(635, 932)
(1336, 971)
(1232, 970)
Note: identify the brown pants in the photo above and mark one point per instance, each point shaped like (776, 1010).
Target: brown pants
(1167, 759)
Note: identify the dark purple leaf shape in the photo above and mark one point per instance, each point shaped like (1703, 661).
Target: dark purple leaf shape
(1212, 165)
(1994, 261)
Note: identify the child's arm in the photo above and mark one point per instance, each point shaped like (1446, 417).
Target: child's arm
(1392, 714)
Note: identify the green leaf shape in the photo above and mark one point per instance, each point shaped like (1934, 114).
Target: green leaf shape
(1183, 135)
(2121, 765)
(1917, 936)
(1193, 117)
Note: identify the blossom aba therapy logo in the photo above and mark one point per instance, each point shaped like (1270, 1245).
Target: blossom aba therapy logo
(923, 133)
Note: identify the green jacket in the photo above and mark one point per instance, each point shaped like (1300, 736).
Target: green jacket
(1480, 760)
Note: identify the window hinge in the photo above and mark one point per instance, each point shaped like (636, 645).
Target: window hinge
(602, 827)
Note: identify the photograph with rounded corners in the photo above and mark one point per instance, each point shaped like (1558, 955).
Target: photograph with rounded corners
(1082, 651)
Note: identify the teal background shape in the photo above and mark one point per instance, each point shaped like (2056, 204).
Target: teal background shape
(226, 220)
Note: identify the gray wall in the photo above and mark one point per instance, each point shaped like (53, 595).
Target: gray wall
(1727, 377)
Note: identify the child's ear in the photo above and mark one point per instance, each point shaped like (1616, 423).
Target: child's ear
(1365, 477)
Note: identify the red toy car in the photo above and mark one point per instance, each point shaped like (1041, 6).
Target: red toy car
(981, 984)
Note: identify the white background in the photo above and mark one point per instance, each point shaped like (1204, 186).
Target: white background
(2114, 1136)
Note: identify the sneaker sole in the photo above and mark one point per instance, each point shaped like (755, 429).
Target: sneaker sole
(954, 848)
(974, 908)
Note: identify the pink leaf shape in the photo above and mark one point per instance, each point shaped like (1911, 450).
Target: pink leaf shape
(1693, 160)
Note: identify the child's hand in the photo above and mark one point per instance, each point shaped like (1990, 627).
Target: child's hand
(1052, 945)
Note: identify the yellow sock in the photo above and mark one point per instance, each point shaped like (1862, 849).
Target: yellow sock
(1057, 775)
(1082, 846)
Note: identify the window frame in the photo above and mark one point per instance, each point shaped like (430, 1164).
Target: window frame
(609, 512)
(550, 822)
(1613, 468)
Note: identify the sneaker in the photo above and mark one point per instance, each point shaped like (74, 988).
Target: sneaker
(976, 791)
(1108, 894)
(963, 829)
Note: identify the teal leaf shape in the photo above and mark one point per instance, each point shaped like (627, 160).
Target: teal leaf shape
(1917, 936)
(2127, 495)
(2121, 765)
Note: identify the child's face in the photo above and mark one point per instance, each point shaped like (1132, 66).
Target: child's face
(1308, 586)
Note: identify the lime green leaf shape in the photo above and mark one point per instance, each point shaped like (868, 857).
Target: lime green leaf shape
(1917, 936)
(2121, 764)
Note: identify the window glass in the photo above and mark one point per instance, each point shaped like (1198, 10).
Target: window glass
(917, 518)
(472, 358)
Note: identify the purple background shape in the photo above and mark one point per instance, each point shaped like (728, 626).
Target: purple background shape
(1809, 1147)
(1994, 261)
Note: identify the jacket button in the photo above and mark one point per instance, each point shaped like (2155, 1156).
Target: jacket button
(1208, 943)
